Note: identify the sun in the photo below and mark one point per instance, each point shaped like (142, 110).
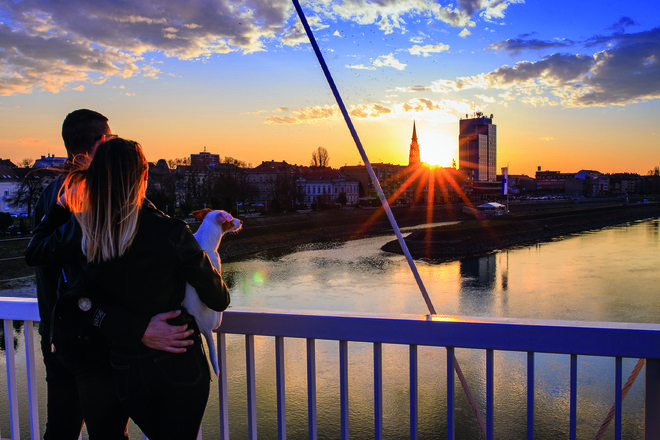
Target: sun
(439, 153)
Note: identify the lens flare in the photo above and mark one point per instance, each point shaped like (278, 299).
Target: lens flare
(259, 277)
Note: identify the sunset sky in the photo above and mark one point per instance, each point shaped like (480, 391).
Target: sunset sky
(572, 84)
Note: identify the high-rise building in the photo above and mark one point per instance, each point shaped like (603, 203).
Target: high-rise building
(477, 148)
(204, 160)
(413, 156)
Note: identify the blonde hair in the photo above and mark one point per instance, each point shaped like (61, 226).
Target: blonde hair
(107, 198)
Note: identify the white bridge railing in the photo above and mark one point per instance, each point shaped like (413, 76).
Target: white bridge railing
(532, 337)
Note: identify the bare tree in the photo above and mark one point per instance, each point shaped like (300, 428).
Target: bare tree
(320, 158)
(31, 184)
(173, 163)
(26, 163)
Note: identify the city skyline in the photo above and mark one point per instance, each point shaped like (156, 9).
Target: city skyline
(571, 86)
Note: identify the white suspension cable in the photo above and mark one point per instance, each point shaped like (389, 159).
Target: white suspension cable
(370, 170)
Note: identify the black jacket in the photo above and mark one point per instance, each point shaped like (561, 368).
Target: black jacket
(47, 275)
(147, 280)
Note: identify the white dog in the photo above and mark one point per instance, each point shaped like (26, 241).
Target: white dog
(209, 235)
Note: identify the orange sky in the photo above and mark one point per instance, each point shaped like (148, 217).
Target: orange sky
(566, 94)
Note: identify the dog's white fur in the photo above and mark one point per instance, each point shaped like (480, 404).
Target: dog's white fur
(209, 235)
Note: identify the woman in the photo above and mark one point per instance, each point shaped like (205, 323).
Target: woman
(129, 254)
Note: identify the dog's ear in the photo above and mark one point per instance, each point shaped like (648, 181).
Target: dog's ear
(200, 214)
(224, 217)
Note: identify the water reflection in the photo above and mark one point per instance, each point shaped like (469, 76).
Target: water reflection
(478, 277)
(608, 275)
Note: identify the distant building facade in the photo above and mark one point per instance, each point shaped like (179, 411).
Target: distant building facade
(390, 177)
(203, 161)
(595, 183)
(555, 182)
(625, 184)
(582, 183)
(49, 161)
(8, 185)
(477, 148)
(323, 185)
(272, 180)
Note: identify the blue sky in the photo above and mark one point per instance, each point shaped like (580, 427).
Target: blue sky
(572, 85)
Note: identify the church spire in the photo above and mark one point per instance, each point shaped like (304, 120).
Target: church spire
(413, 157)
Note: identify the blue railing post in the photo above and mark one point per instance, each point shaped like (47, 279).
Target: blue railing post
(652, 400)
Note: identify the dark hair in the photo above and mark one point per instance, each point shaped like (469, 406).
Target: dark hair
(81, 129)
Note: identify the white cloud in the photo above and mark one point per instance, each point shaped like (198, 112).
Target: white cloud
(427, 50)
(360, 67)
(392, 15)
(389, 61)
(485, 98)
(464, 33)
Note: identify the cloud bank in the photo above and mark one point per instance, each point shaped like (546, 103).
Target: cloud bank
(49, 45)
(628, 71)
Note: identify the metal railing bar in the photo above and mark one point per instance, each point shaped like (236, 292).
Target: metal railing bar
(490, 393)
(20, 309)
(618, 396)
(414, 392)
(450, 393)
(508, 334)
(311, 388)
(281, 387)
(30, 365)
(573, 398)
(251, 387)
(378, 391)
(223, 399)
(10, 356)
(530, 395)
(343, 387)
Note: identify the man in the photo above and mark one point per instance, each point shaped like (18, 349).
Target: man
(71, 395)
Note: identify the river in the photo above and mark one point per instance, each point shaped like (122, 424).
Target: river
(606, 275)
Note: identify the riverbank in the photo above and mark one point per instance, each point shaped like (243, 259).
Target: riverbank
(474, 238)
(272, 236)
